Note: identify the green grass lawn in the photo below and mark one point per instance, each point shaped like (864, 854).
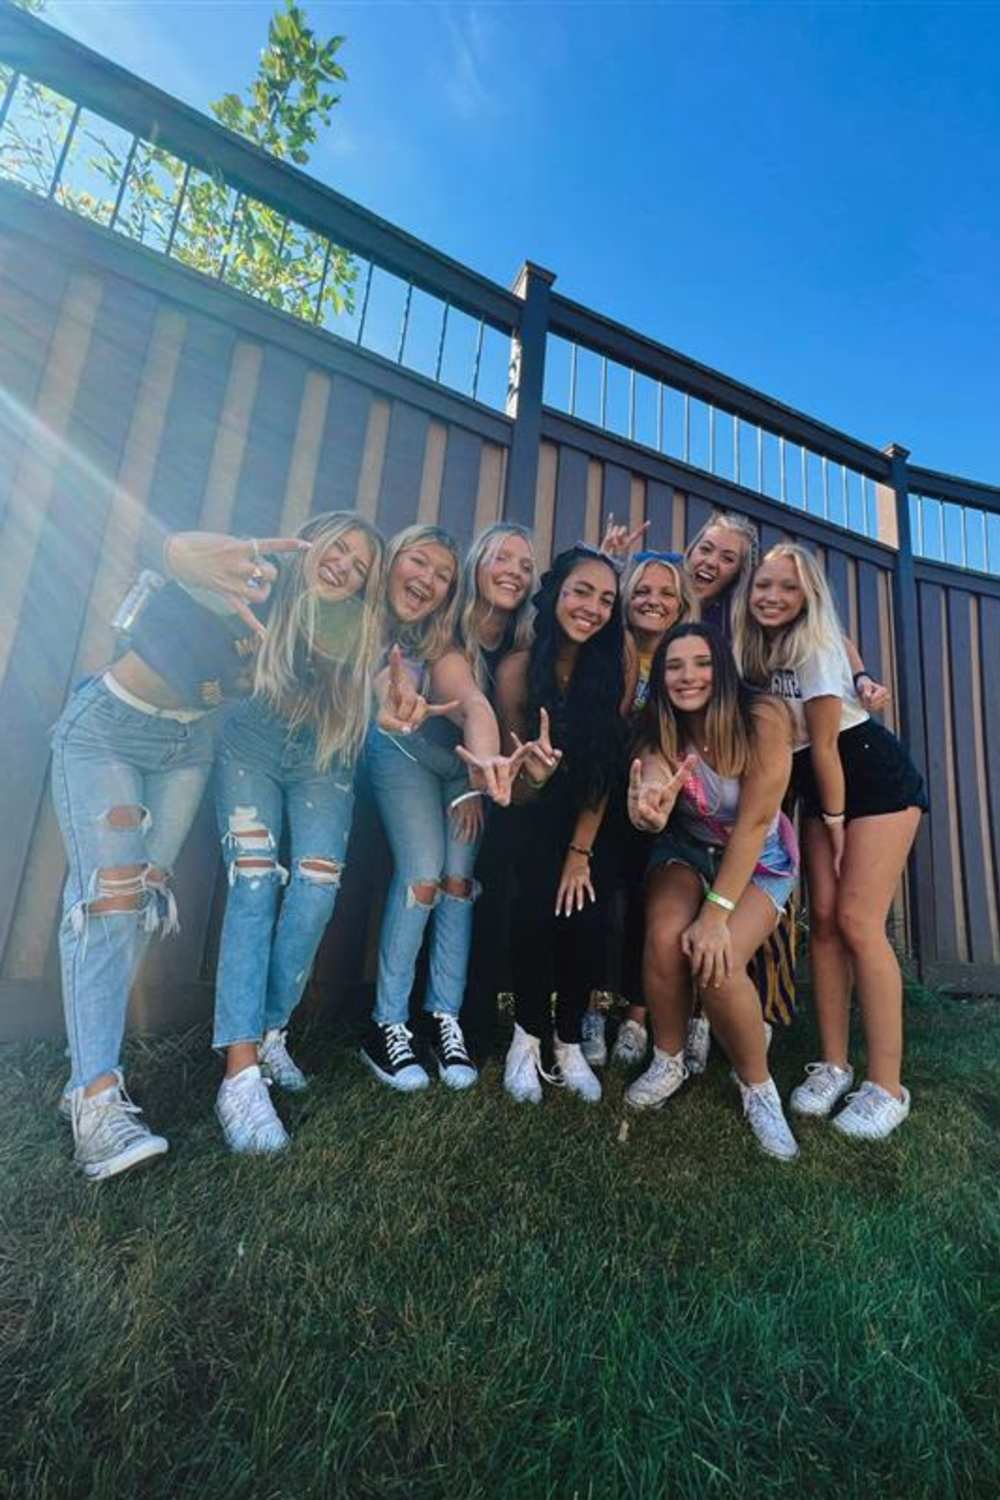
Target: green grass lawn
(453, 1296)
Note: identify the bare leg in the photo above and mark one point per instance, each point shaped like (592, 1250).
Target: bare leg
(673, 898)
(733, 1007)
(239, 1056)
(829, 959)
(874, 856)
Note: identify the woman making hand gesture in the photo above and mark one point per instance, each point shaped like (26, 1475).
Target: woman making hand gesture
(718, 755)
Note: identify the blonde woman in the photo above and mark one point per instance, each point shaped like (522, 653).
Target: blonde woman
(861, 800)
(432, 757)
(287, 756)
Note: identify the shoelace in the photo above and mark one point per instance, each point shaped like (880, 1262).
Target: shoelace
(452, 1038)
(276, 1052)
(115, 1116)
(397, 1043)
(532, 1057)
(821, 1080)
(766, 1103)
(256, 1106)
(865, 1102)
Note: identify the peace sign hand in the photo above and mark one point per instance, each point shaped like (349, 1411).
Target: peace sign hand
(650, 803)
(541, 759)
(234, 567)
(403, 708)
(618, 540)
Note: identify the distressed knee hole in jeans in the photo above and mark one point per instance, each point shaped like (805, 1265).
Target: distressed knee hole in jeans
(254, 846)
(319, 870)
(128, 819)
(460, 888)
(128, 890)
(423, 893)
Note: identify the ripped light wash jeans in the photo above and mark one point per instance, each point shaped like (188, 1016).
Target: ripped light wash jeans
(414, 781)
(266, 774)
(126, 787)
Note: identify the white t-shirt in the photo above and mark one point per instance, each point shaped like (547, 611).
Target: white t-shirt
(825, 674)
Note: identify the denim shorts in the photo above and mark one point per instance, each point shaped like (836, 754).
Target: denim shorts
(673, 847)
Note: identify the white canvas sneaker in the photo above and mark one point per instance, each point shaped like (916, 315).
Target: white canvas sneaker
(575, 1071)
(766, 1118)
(631, 1044)
(276, 1064)
(522, 1069)
(245, 1112)
(662, 1079)
(872, 1113)
(108, 1134)
(825, 1084)
(697, 1044)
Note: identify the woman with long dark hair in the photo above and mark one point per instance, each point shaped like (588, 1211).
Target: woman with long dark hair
(287, 755)
(568, 690)
(717, 755)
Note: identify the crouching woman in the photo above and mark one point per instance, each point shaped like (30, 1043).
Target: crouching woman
(716, 755)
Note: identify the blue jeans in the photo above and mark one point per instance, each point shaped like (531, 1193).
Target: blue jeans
(414, 782)
(126, 787)
(266, 773)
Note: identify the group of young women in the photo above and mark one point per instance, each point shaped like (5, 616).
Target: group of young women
(610, 744)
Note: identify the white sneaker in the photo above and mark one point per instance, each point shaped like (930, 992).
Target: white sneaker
(575, 1071)
(697, 1043)
(246, 1114)
(108, 1133)
(276, 1064)
(872, 1113)
(631, 1044)
(592, 1039)
(662, 1078)
(522, 1069)
(766, 1118)
(825, 1084)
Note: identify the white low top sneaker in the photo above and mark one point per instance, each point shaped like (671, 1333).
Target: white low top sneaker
(522, 1069)
(872, 1113)
(592, 1039)
(575, 1071)
(246, 1114)
(766, 1118)
(631, 1044)
(108, 1134)
(276, 1064)
(663, 1077)
(825, 1084)
(697, 1044)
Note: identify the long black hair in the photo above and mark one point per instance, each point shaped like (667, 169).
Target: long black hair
(587, 724)
(730, 730)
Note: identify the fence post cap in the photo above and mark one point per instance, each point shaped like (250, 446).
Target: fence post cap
(895, 450)
(531, 268)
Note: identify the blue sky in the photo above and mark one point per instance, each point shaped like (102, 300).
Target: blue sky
(802, 195)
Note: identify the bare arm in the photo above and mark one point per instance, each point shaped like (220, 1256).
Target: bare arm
(452, 682)
(872, 695)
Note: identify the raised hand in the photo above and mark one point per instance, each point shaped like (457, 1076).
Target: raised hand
(873, 696)
(650, 803)
(404, 709)
(493, 774)
(235, 568)
(618, 541)
(539, 758)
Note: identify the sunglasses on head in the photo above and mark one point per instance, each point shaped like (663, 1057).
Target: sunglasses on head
(675, 558)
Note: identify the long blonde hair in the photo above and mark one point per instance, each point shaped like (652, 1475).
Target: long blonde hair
(690, 609)
(430, 638)
(517, 636)
(817, 627)
(746, 529)
(331, 698)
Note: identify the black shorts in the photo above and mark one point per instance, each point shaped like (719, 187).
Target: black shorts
(879, 776)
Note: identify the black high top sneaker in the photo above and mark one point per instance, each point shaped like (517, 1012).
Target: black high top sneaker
(388, 1052)
(455, 1066)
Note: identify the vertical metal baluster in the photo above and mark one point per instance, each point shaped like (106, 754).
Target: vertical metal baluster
(843, 495)
(826, 486)
(282, 238)
(364, 302)
(782, 472)
(659, 416)
(736, 448)
(126, 172)
(711, 439)
(233, 220)
(631, 406)
(479, 357)
(760, 460)
(944, 545)
(70, 132)
(965, 536)
(919, 543)
(687, 428)
(444, 330)
(604, 390)
(177, 210)
(405, 323)
(317, 315)
(8, 97)
(986, 542)
(804, 466)
(573, 351)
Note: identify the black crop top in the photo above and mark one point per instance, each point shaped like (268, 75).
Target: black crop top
(206, 657)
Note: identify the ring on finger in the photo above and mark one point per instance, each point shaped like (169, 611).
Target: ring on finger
(256, 579)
